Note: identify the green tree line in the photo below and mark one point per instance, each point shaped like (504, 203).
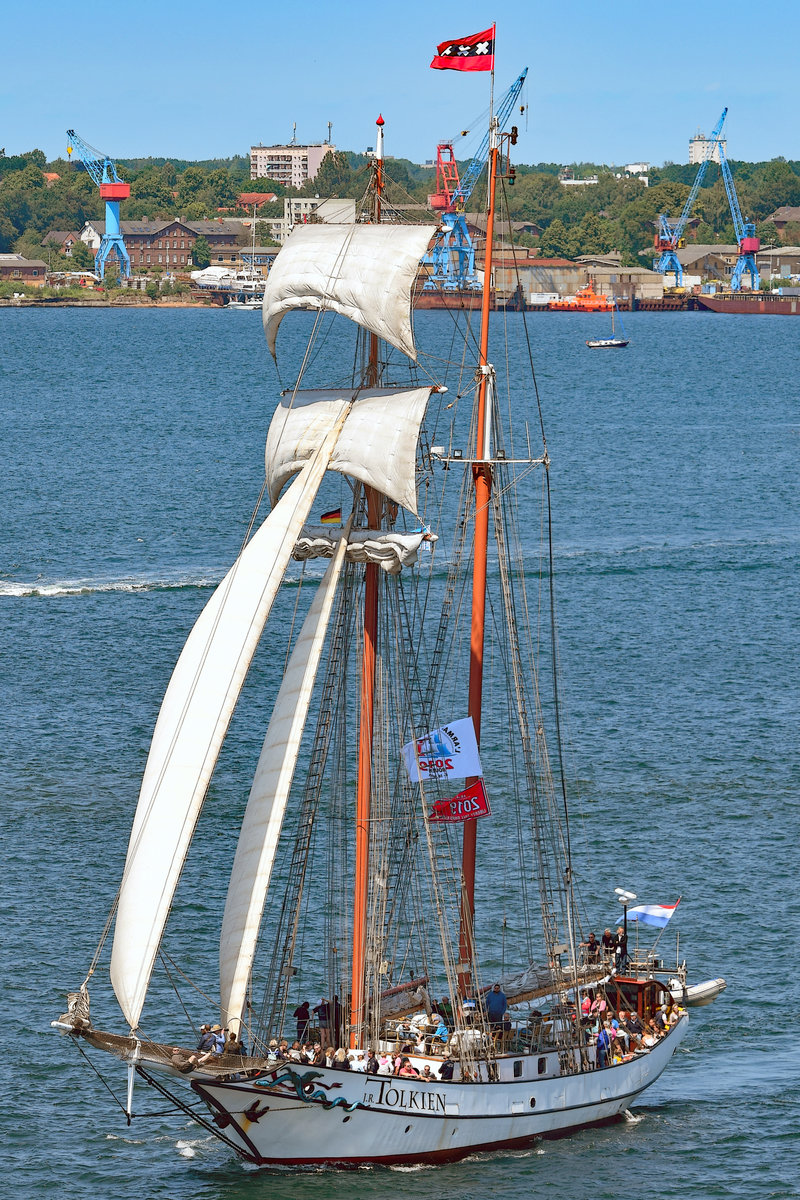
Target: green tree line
(616, 213)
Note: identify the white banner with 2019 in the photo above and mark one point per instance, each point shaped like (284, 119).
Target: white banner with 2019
(450, 752)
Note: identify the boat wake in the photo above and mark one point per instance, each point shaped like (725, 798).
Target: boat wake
(93, 587)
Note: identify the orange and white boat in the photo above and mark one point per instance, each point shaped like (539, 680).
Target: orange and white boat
(586, 299)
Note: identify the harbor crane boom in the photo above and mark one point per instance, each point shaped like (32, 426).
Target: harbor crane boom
(745, 232)
(669, 238)
(453, 254)
(112, 189)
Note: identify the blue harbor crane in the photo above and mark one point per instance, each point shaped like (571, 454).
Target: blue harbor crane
(669, 238)
(453, 254)
(745, 231)
(112, 189)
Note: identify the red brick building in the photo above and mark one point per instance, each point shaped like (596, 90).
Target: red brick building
(149, 243)
(168, 244)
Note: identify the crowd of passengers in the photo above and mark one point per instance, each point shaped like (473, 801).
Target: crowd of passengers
(618, 1037)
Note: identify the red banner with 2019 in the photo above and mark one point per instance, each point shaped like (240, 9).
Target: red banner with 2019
(466, 806)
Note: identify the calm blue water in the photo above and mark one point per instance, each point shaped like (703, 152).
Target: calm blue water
(132, 450)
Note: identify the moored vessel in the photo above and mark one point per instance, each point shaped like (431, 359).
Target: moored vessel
(750, 303)
(586, 299)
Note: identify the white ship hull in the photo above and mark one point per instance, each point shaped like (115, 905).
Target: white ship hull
(348, 1119)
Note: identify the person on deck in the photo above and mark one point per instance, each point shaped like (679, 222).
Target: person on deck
(407, 1069)
(323, 1011)
(603, 1047)
(207, 1039)
(218, 1036)
(608, 943)
(633, 1024)
(621, 1034)
(447, 1067)
(440, 1032)
(496, 1007)
(302, 1014)
(373, 1064)
(234, 1045)
(183, 1061)
(621, 949)
(592, 948)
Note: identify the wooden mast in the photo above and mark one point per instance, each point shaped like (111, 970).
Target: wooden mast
(482, 476)
(364, 784)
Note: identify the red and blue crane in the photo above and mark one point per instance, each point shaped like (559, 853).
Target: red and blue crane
(453, 254)
(745, 232)
(112, 189)
(669, 238)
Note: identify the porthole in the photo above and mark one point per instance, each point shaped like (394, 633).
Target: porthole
(346, 1119)
(408, 1128)
(542, 1066)
(518, 1069)
(533, 1102)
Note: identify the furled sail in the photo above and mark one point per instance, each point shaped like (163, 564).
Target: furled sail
(191, 725)
(364, 272)
(391, 551)
(378, 444)
(263, 817)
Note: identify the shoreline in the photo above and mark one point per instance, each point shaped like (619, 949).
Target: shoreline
(32, 302)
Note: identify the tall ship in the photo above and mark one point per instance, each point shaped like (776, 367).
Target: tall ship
(411, 767)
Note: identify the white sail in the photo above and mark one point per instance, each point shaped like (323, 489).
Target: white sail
(378, 444)
(364, 272)
(191, 725)
(263, 817)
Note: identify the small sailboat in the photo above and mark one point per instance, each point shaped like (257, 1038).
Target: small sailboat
(615, 342)
(395, 736)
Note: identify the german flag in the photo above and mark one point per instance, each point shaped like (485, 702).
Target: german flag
(334, 517)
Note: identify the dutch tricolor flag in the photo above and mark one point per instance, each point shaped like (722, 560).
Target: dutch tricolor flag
(652, 914)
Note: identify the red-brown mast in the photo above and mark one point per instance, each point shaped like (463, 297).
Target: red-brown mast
(364, 784)
(482, 476)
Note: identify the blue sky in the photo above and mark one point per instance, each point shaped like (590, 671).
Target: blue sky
(612, 83)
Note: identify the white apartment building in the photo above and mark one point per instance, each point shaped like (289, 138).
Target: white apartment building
(290, 165)
(700, 148)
